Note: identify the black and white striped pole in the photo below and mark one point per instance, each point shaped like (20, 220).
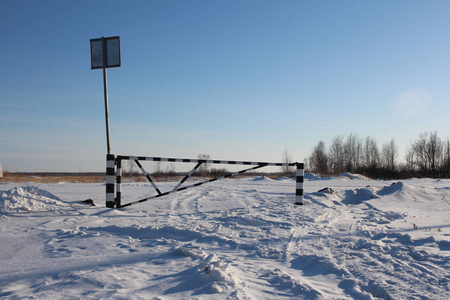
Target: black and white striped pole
(105, 53)
(110, 172)
(299, 178)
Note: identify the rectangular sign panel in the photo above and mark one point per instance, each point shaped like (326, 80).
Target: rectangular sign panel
(96, 54)
(105, 53)
(113, 52)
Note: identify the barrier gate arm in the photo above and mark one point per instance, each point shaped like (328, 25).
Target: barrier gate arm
(113, 162)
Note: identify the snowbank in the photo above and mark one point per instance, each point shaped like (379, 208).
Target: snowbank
(234, 239)
(353, 176)
(30, 198)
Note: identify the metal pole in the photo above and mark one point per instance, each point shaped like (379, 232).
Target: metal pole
(105, 91)
(105, 88)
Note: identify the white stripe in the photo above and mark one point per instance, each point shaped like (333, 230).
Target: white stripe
(299, 186)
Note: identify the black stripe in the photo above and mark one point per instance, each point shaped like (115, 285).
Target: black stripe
(216, 161)
(138, 163)
(156, 158)
(149, 178)
(299, 192)
(300, 165)
(118, 198)
(163, 194)
(110, 188)
(231, 162)
(300, 179)
(110, 171)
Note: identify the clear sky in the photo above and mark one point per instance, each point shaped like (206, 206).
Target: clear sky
(233, 79)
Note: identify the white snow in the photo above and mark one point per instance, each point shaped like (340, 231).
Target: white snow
(232, 239)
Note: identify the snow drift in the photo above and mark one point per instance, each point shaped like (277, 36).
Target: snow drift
(234, 239)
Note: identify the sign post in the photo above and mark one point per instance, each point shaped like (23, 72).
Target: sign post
(105, 53)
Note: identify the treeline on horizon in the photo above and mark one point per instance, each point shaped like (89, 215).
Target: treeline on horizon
(427, 156)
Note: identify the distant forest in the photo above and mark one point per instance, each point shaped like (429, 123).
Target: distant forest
(428, 156)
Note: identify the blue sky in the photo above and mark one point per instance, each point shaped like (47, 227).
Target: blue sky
(234, 79)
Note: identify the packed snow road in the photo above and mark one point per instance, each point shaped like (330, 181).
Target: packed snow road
(233, 239)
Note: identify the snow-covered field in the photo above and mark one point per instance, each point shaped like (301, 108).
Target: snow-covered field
(232, 239)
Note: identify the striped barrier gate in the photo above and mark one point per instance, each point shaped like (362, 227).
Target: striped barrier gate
(114, 169)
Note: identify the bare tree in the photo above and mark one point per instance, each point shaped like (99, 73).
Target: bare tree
(336, 154)
(409, 159)
(389, 153)
(352, 153)
(203, 169)
(446, 159)
(434, 152)
(158, 169)
(371, 154)
(428, 150)
(318, 160)
(131, 168)
(287, 158)
(170, 170)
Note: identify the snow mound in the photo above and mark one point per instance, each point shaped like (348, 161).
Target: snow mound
(397, 187)
(29, 199)
(353, 176)
(398, 191)
(261, 178)
(283, 178)
(313, 176)
(405, 192)
(356, 196)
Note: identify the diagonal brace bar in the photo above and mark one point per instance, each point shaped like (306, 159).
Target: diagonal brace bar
(187, 176)
(147, 175)
(194, 185)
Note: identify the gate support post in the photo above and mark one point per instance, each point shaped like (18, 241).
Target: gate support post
(119, 182)
(110, 173)
(299, 177)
